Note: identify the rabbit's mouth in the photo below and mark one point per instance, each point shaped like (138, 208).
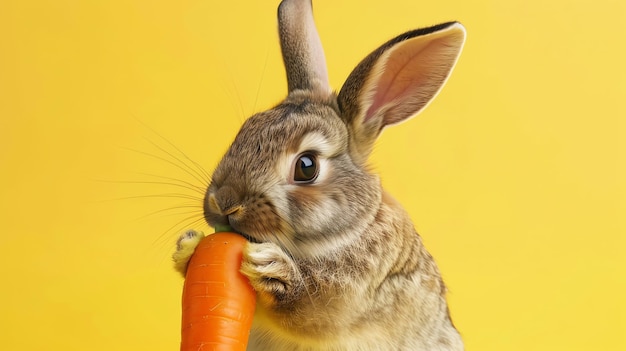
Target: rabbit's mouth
(229, 228)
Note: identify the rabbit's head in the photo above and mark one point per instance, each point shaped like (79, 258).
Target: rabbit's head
(296, 175)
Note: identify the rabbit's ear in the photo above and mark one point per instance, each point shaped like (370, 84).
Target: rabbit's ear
(398, 80)
(302, 50)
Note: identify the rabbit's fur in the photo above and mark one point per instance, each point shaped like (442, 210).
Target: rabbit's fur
(335, 261)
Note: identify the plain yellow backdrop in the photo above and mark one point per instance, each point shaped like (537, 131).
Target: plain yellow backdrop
(514, 176)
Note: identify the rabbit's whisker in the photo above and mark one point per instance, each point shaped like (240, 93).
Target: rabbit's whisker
(171, 195)
(196, 211)
(183, 224)
(184, 185)
(200, 171)
(235, 97)
(194, 175)
(177, 182)
(258, 91)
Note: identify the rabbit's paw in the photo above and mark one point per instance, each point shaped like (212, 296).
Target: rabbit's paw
(185, 247)
(271, 272)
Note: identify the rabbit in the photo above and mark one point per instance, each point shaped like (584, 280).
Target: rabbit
(334, 259)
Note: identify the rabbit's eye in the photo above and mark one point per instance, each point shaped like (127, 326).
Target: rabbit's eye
(306, 168)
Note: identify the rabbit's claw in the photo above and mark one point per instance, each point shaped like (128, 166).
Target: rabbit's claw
(270, 270)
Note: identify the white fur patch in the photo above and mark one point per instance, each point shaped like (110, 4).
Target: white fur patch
(316, 142)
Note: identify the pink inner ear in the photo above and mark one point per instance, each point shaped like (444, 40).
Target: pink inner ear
(411, 75)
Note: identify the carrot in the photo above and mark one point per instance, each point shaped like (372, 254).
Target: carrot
(218, 302)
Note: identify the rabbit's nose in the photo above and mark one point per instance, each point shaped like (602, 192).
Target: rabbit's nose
(225, 201)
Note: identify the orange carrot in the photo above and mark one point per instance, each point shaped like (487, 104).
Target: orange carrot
(218, 302)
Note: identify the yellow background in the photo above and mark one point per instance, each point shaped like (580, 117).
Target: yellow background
(514, 175)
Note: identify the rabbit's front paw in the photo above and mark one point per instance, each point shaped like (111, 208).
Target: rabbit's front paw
(185, 247)
(271, 272)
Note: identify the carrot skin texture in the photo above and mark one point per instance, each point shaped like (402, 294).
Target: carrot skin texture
(218, 301)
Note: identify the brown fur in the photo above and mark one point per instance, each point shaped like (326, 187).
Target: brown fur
(336, 263)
